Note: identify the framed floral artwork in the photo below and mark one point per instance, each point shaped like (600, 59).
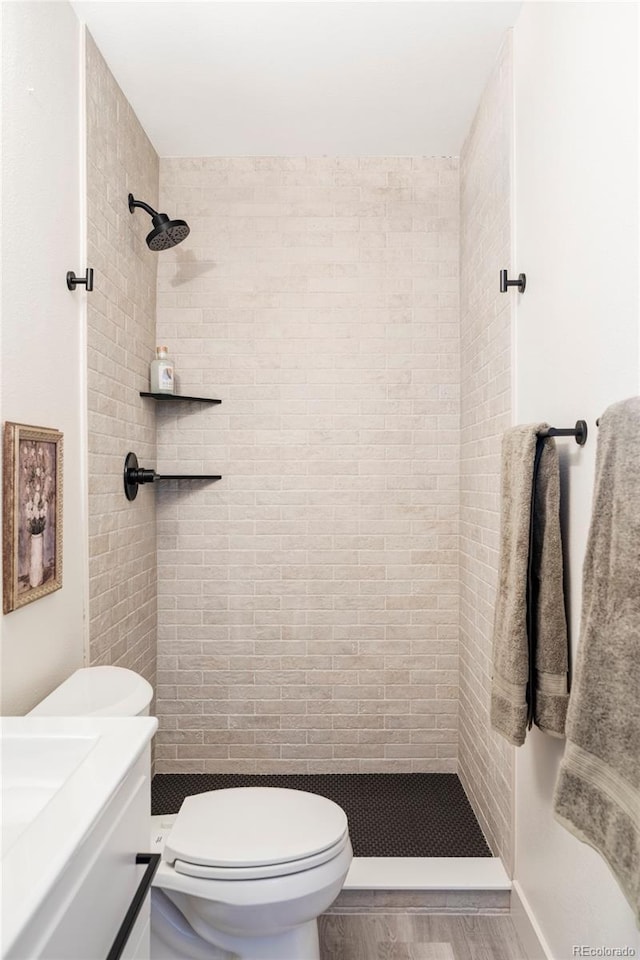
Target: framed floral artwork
(31, 514)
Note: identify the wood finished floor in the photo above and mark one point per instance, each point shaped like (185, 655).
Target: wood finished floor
(414, 936)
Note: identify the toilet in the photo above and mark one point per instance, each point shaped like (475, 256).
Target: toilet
(245, 872)
(98, 692)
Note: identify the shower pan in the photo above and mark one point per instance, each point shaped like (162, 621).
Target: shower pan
(390, 814)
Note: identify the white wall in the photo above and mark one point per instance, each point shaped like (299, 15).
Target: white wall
(576, 238)
(42, 322)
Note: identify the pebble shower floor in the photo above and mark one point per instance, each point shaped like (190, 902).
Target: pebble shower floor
(389, 814)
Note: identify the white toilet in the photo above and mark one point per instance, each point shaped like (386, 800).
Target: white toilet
(98, 692)
(245, 872)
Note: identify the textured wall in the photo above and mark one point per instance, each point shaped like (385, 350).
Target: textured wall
(121, 342)
(308, 602)
(485, 328)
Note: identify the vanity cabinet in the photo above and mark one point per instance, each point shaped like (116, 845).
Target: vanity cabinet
(85, 909)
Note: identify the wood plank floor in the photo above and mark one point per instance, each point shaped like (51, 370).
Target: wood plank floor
(412, 936)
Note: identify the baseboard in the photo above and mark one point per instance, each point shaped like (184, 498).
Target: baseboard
(527, 927)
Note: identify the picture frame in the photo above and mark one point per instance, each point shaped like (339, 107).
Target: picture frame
(32, 498)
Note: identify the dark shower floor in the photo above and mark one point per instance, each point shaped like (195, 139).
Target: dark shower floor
(390, 814)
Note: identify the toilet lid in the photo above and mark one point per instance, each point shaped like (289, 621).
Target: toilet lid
(254, 826)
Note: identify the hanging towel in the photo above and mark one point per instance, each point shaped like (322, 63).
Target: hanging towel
(597, 795)
(530, 644)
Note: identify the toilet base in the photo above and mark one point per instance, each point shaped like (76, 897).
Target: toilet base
(173, 938)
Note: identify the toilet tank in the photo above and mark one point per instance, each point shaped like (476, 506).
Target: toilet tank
(98, 692)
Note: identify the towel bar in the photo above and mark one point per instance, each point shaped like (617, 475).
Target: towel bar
(579, 432)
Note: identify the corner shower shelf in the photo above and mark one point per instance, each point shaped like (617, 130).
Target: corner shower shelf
(135, 475)
(174, 397)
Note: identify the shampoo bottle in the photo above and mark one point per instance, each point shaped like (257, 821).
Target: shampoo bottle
(161, 373)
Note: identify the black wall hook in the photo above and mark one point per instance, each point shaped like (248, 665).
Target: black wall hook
(505, 283)
(87, 280)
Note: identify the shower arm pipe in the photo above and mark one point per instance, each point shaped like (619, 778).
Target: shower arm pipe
(133, 203)
(579, 432)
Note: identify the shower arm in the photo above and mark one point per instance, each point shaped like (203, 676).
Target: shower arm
(133, 203)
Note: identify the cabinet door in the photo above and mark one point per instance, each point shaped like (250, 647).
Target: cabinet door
(81, 916)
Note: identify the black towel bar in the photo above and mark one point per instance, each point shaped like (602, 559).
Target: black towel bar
(579, 432)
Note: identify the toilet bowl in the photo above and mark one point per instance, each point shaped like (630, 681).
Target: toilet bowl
(245, 872)
(249, 869)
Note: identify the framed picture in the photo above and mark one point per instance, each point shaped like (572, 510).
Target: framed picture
(31, 514)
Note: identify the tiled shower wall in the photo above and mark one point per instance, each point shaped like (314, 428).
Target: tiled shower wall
(121, 342)
(486, 760)
(308, 601)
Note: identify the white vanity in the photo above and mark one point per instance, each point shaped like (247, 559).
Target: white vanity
(75, 817)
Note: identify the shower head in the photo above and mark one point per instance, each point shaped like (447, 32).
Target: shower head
(166, 233)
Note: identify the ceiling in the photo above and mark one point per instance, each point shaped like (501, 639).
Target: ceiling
(301, 78)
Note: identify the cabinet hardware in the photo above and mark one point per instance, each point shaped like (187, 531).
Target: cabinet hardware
(153, 862)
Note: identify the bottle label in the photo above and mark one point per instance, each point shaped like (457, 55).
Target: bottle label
(165, 377)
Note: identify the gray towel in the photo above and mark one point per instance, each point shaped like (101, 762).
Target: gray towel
(530, 588)
(598, 791)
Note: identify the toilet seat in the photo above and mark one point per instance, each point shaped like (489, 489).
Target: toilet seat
(262, 872)
(249, 833)
(268, 892)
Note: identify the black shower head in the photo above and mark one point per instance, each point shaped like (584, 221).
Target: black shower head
(166, 233)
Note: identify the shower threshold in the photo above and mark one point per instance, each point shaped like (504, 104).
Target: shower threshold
(416, 841)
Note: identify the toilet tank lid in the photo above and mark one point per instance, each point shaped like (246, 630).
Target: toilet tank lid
(98, 692)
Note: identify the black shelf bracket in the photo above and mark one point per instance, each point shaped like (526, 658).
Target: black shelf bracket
(134, 475)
